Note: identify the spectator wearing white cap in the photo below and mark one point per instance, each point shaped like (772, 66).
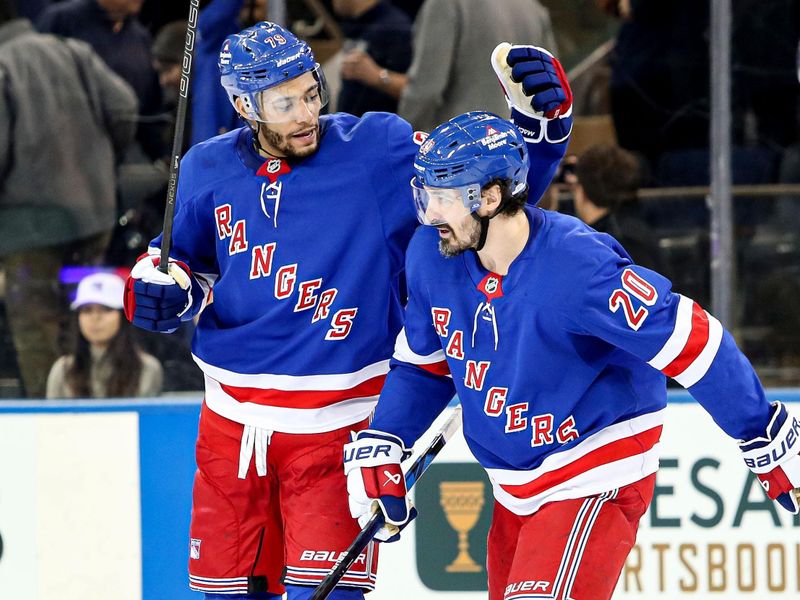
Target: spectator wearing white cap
(106, 361)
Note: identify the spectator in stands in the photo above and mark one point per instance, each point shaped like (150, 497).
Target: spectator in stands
(660, 78)
(211, 111)
(659, 75)
(65, 118)
(105, 362)
(167, 54)
(378, 40)
(112, 28)
(143, 187)
(449, 73)
(606, 180)
(766, 91)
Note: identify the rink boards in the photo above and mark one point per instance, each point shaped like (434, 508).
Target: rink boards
(95, 498)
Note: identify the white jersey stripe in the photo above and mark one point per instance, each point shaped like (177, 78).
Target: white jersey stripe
(294, 383)
(595, 481)
(288, 420)
(680, 335)
(699, 366)
(562, 459)
(403, 352)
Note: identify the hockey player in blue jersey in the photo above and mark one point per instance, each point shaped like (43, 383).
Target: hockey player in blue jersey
(288, 246)
(288, 242)
(557, 345)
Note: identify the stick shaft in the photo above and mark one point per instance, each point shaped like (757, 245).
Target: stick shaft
(180, 126)
(414, 472)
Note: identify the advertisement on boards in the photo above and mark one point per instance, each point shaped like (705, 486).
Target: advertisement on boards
(98, 498)
(710, 533)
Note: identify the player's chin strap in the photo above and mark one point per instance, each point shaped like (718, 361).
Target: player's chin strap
(484, 221)
(257, 139)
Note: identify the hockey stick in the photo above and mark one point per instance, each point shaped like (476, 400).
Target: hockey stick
(414, 472)
(177, 142)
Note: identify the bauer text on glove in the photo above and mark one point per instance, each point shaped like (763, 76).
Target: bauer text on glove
(374, 476)
(774, 458)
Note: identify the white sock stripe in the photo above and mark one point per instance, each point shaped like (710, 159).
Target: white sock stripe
(217, 579)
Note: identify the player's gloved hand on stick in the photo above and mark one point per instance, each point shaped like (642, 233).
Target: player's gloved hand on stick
(155, 300)
(374, 477)
(536, 89)
(775, 460)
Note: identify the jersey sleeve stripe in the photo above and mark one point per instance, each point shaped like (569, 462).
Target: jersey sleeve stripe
(679, 337)
(698, 338)
(439, 368)
(702, 363)
(404, 353)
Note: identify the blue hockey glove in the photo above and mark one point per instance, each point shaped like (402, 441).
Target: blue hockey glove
(154, 300)
(375, 479)
(536, 89)
(774, 458)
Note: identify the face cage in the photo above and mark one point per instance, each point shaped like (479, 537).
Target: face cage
(441, 206)
(274, 107)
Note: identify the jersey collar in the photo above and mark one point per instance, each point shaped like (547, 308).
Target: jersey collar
(478, 273)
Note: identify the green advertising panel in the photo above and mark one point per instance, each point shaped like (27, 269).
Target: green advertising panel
(455, 510)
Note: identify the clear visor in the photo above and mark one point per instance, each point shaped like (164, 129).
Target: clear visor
(440, 206)
(298, 99)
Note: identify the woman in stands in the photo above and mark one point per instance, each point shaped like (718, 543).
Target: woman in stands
(106, 361)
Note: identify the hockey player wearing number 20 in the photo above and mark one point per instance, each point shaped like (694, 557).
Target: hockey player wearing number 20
(289, 241)
(558, 346)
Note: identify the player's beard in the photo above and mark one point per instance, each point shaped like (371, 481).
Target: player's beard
(458, 243)
(282, 144)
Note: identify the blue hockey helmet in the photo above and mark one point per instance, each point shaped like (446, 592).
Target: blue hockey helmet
(463, 155)
(262, 57)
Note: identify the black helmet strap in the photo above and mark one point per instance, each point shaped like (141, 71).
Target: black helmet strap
(484, 221)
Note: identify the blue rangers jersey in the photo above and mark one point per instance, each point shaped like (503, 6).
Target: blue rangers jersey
(560, 364)
(299, 263)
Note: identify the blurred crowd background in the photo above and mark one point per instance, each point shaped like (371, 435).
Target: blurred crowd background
(88, 95)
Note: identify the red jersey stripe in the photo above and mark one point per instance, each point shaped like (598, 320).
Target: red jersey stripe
(698, 338)
(305, 398)
(437, 368)
(613, 451)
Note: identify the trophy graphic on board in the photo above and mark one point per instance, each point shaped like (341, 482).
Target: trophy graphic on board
(462, 502)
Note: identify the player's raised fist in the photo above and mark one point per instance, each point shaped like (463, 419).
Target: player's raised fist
(533, 81)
